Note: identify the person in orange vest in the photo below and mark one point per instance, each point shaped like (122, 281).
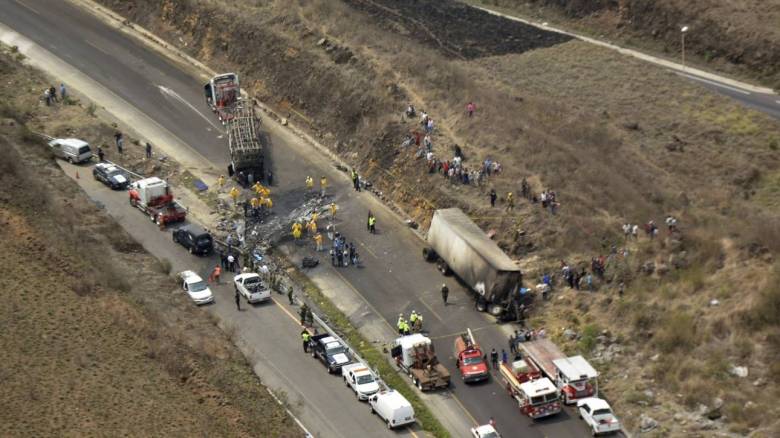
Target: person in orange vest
(215, 274)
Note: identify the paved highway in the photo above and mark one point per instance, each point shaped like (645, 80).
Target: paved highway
(268, 334)
(394, 279)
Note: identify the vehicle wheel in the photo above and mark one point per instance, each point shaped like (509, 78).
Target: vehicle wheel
(442, 266)
(192, 250)
(419, 385)
(175, 239)
(151, 217)
(371, 409)
(481, 306)
(429, 254)
(69, 160)
(313, 355)
(593, 432)
(389, 426)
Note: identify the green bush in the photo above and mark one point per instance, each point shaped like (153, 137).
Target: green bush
(588, 338)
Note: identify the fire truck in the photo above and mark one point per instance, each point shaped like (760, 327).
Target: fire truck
(222, 95)
(574, 376)
(536, 398)
(154, 197)
(469, 358)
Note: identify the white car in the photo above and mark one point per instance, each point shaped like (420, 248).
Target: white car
(597, 413)
(252, 287)
(196, 287)
(484, 431)
(358, 377)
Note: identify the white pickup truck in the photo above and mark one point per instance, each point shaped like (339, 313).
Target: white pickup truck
(358, 377)
(252, 287)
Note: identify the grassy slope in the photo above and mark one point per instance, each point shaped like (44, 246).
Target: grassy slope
(593, 126)
(84, 351)
(739, 38)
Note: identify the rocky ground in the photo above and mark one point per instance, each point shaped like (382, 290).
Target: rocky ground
(96, 338)
(617, 140)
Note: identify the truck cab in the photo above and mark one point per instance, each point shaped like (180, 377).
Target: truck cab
(539, 398)
(469, 359)
(222, 94)
(576, 379)
(358, 377)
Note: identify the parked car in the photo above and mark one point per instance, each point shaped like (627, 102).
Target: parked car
(358, 377)
(196, 287)
(392, 408)
(110, 175)
(252, 287)
(598, 415)
(330, 351)
(71, 150)
(195, 239)
(484, 431)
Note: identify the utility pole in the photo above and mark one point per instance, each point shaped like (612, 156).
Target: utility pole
(683, 31)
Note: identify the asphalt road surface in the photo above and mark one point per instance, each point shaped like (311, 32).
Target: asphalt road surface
(268, 333)
(395, 278)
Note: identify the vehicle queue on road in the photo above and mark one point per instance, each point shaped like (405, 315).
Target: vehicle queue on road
(387, 403)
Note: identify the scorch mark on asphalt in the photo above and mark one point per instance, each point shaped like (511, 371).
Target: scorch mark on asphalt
(170, 93)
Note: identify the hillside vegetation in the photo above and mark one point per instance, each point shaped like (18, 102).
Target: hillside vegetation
(617, 140)
(737, 37)
(96, 339)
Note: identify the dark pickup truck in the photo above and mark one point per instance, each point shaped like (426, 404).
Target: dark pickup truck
(330, 351)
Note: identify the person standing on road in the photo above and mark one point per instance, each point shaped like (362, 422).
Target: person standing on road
(504, 358)
(494, 358)
(238, 300)
(371, 223)
(290, 295)
(493, 197)
(323, 185)
(230, 261)
(119, 140)
(215, 274)
(101, 154)
(355, 180)
(445, 292)
(305, 337)
(303, 313)
(148, 150)
(513, 344)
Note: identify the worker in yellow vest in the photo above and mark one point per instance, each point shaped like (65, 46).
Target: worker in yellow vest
(234, 194)
(309, 183)
(333, 209)
(221, 182)
(306, 337)
(318, 242)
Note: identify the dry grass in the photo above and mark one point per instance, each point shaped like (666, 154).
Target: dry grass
(81, 345)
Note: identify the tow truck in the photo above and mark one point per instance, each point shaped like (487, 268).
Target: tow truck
(415, 356)
(153, 197)
(469, 358)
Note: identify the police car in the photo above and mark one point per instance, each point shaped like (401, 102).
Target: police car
(110, 175)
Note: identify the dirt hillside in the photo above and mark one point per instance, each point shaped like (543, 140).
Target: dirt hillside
(739, 37)
(94, 337)
(617, 140)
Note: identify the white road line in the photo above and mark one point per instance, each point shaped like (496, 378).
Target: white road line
(170, 93)
(26, 6)
(717, 84)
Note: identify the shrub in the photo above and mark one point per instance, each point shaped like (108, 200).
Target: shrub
(588, 338)
(677, 332)
(91, 108)
(164, 266)
(765, 312)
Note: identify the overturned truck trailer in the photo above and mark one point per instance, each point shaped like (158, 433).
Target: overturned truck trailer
(246, 149)
(458, 245)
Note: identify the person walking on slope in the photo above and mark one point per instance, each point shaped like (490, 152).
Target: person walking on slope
(493, 197)
(470, 108)
(238, 300)
(445, 292)
(323, 186)
(510, 202)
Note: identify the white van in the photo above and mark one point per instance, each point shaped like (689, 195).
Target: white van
(71, 150)
(392, 407)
